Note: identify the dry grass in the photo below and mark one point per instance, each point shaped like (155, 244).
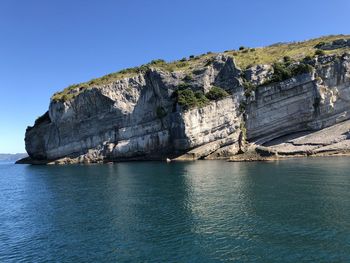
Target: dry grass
(273, 53)
(243, 58)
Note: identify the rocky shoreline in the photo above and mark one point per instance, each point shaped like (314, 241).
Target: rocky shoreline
(245, 157)
(331, 141)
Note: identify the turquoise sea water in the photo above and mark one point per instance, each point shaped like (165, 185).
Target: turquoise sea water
(206, 211)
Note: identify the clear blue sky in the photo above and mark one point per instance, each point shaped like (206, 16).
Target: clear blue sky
(45, 45)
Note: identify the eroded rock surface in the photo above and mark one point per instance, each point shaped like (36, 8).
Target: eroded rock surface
(120, 121)
(306, 114)
(331, 139)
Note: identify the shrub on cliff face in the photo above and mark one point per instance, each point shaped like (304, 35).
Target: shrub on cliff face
(186, 98)
(281, 72)
(301, 68)
(183, 86)
(202, 100)
(284, 71)
(157, 62)
(216, 93)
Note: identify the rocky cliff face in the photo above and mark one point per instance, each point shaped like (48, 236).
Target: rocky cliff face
(121, 120)
(302, 103)
(138, 117)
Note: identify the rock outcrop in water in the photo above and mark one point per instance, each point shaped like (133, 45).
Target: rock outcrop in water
(270, 109)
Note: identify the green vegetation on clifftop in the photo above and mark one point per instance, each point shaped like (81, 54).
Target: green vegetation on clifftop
(244, 57)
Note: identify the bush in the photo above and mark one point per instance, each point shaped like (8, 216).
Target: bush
(192, 56)
(65, 97)
(283, 71)
(241, 48)
(183, 86)
(201, 99)
(320, 52)
(301, 68)
(186, 98)
(183, 59)
(189, 99)
(216, 93)
(157, 62)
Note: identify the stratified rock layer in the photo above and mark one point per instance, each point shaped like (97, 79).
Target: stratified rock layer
(121, 120)
(304, 103)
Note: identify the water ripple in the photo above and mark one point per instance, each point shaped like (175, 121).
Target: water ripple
(213, 211)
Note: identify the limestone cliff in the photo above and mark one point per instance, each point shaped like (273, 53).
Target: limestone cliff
(138, 114)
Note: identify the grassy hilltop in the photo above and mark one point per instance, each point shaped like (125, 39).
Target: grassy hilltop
(244, 57)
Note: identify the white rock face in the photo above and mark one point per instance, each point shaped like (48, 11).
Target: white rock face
(280, 109)
(119, 121)
(304, 103)
(199, 126)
